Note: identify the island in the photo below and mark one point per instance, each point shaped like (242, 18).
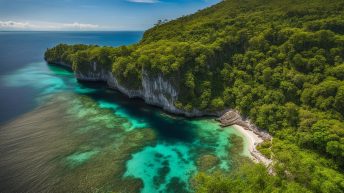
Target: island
(278, 65)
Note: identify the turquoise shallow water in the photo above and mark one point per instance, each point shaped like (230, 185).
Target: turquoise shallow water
(181, 142)
(180, 157)
(174, 160)
(106, 137)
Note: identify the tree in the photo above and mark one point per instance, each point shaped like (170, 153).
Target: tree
(217, 103)
(339, 100)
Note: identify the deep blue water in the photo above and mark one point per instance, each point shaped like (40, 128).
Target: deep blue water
(18, 49)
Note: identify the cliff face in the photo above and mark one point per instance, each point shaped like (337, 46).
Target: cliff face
(155, 90)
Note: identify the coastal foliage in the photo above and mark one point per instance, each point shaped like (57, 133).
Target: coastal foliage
(281, 63)
(295, 170)
(247, 178)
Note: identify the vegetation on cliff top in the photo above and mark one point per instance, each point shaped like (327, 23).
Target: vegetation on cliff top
(281, 63)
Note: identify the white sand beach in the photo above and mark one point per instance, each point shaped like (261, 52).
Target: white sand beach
(253, 141)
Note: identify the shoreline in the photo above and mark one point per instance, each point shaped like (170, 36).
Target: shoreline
(226, 117)
(253, 140)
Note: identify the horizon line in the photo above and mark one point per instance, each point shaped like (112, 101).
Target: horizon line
(72, 30)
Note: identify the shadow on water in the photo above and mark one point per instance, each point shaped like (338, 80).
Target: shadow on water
(168, 127)
(53, 67)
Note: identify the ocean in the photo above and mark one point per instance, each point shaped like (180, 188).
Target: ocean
(61, 135)
(18, 49)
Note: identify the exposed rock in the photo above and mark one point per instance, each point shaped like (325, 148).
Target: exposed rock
(229, 118)
(232, 117)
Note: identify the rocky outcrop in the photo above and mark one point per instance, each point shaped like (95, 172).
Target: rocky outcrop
(229, 118)
(232, 117)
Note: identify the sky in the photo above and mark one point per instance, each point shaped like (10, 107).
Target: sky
(89, 15)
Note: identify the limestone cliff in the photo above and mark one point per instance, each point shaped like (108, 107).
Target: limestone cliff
(155, 89)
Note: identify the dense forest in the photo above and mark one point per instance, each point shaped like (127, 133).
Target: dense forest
(280, 63)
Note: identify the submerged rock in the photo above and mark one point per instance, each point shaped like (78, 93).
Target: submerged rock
(206, 162)
(175, 185)
(129, 185)
(83, 150)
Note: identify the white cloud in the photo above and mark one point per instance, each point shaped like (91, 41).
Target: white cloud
(80, 25)
(144, 1)
(15, 25)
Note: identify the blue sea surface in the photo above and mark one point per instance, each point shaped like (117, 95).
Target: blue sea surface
(21, 51)
(164, 166)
